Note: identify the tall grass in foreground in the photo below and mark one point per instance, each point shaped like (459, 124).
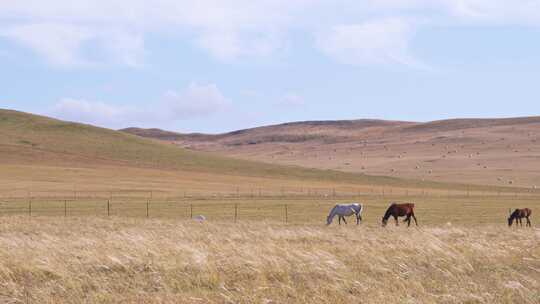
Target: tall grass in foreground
(130, 260)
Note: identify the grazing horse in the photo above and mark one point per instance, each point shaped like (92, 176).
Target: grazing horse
(397, 210)
(345, 210)
(517, 215)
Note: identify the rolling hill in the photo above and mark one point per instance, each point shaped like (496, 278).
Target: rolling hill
(28, 138)
(41, 153)
(502, 152)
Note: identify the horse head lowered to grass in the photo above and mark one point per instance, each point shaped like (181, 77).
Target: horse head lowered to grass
(398, 210)
(518, 214)
(343, 210)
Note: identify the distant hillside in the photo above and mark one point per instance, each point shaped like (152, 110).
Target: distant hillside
(293, 132)
(159, 134)
(481, 151)
(37, 140)
(461, 124)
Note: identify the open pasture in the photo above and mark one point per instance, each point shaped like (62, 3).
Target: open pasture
(430, 210)
(90, 215)
(135, 260)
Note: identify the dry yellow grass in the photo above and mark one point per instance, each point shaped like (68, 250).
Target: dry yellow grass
(133, 260)
(463, 211)
(461, 253)
(43, 154)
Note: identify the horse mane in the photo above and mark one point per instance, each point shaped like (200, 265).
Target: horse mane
(514, 214)
(388, 212)
(332, 213)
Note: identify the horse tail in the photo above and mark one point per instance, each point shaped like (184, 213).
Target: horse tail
(361, 208)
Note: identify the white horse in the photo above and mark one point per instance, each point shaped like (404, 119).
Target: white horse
(345, 210)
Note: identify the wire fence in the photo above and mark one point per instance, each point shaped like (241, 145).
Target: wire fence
(286, 209)
(215, 210)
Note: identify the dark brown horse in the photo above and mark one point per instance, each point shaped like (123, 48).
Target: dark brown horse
(518, 214)
(397, 210)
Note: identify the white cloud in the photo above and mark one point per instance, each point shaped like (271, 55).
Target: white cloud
(496, 12)
(193, 102)
(293, 100)
(60, 44)
(71, 45)
(59, 29)
(62, 30)
(92, 112)
(375, 42)
(197, 100)
(229, 45)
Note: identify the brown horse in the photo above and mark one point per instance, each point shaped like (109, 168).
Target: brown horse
(397, 210)
(518, 214)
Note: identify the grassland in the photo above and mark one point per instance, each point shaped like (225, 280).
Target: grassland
(499, 152)
(90, 215)
(32, 139)
(42, 154)
(133, 260)
(430, 210)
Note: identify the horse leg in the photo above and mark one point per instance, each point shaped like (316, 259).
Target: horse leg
(528, 222)
(414, 217)
(344, 221)
(408, 220)
(520, 223)
(339, 219)
(357, 219)
(396, 218)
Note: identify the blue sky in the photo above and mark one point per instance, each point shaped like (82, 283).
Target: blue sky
(215, 66)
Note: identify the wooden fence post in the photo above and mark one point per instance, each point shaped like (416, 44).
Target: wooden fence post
(65, 207)
(191, 211)
(235, 212)
(108, 207)
(286, 214)
(30, 207)
(147, 207)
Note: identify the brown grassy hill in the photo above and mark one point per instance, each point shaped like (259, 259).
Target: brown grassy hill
(293, 132)
(32, 138)
(481, 151)
(43, 153)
